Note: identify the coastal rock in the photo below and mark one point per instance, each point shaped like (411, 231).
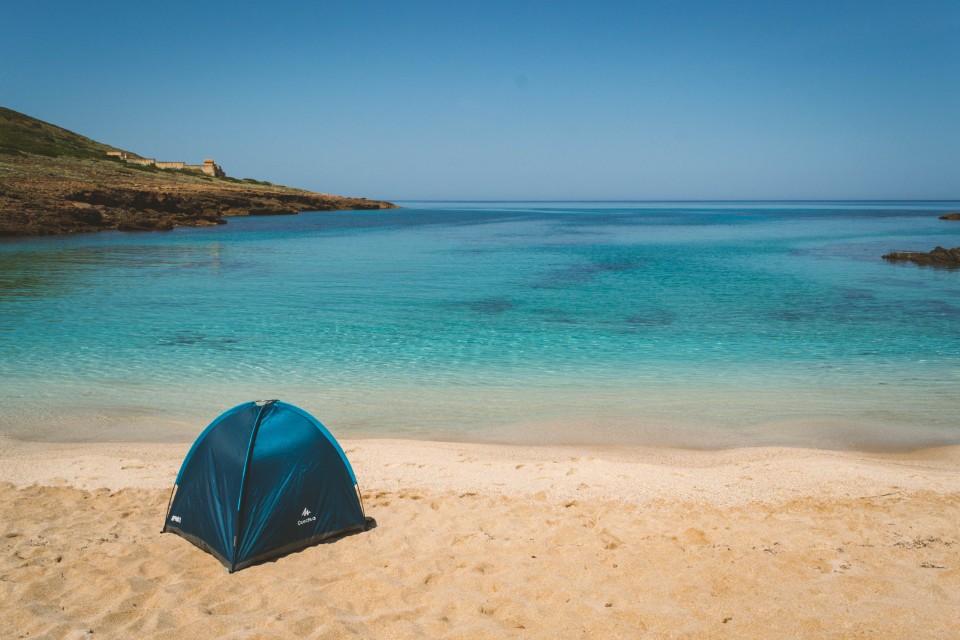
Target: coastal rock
(939, 257)
(54, 181)
(951, 216)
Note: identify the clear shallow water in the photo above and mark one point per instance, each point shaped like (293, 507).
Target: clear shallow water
(697, 324)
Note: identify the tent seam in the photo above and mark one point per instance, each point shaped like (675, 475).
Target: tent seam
(243, 482)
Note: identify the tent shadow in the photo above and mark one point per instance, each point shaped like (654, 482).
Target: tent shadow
(368, 524)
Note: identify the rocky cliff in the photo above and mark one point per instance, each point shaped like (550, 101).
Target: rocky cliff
(56, 181)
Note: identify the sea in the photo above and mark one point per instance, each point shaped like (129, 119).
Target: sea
(679, 324)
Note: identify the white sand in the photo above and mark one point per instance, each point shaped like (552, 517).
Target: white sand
(492, 541)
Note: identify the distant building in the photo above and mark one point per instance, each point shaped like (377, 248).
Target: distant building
(208, 167)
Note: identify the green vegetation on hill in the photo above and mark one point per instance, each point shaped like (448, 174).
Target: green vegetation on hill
(21, 134)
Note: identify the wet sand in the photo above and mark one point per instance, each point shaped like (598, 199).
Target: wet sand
(488, 541)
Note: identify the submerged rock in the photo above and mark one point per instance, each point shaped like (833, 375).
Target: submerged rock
(939, 257)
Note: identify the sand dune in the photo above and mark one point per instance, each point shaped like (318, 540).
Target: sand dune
(477, 541)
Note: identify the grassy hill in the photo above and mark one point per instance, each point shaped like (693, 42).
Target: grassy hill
(56, 181)
(22, 135)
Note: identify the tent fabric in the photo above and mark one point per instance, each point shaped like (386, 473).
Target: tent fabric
(262, 481)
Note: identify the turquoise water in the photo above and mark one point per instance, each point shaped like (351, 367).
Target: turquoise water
(694, 324)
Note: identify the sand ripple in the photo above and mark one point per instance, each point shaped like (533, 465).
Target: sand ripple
(77, 563)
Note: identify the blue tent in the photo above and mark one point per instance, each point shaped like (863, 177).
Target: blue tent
(261, 481)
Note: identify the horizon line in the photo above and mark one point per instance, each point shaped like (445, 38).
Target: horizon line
(657, 200)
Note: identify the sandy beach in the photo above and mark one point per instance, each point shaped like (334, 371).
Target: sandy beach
(488, 541)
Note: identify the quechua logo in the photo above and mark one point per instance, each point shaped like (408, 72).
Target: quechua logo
(306, 517)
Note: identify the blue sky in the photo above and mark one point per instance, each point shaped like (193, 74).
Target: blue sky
(511, 100)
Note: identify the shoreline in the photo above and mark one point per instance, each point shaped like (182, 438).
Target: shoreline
(621, 472)
(657, 429)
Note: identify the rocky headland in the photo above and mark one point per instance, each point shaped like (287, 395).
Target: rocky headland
(55, 181)
(951, 216)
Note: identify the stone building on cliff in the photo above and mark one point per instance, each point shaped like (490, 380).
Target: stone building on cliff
(208, 167)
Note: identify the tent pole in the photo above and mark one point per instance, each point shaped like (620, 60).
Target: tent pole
(363, 509)
(166, 518)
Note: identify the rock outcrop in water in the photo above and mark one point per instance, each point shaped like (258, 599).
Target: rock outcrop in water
(55, 181)
(939, 257)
